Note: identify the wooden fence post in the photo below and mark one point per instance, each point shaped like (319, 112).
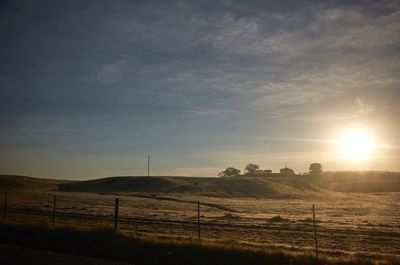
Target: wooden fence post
(5, 206)
(54, 208)
(116, 211)
(315, 232)
(198, 220)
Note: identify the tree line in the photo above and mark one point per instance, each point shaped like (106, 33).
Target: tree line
(254, 169)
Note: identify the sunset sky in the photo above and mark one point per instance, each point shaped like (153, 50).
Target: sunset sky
(90, 88)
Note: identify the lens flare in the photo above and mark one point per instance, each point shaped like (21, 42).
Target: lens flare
(356, 145)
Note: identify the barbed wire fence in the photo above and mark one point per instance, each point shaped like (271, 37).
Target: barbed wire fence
(115, 212)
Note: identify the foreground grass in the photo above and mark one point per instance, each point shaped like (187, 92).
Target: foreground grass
(15, 255)
(116, 246)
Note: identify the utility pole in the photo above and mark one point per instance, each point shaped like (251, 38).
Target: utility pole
(148, 166)
(285, 164)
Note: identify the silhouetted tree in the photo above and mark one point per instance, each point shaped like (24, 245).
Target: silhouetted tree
(267, 171)
(315, 168)
(229, 172)
(251, 169)
(287, 171)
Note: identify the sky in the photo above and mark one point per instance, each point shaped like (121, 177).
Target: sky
(91, 88)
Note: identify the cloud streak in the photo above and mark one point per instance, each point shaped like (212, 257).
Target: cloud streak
(178, 77)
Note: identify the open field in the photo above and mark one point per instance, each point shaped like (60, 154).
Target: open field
(348, 224)
(72, 245)
(14, 255)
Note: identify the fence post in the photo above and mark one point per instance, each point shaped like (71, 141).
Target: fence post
(116, 210)
(315, 231)
(54, 208)
(5, 206)
(198, 220)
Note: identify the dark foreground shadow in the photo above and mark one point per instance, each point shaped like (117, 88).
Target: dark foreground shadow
(114, 246)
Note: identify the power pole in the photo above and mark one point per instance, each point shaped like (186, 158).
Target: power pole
(285, 164)
(148, 166)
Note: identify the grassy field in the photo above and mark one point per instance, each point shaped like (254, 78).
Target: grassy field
(365, 225)
(15, 255)
(114, 245)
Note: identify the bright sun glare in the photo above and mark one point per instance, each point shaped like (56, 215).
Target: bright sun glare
(356, 145)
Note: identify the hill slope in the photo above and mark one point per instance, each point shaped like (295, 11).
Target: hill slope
(218, 187)
(25, 183)
(364, 182)
(245, 186)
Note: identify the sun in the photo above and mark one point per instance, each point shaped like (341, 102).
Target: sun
(356, 145)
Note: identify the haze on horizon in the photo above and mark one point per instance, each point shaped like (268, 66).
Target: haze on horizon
(90, 88)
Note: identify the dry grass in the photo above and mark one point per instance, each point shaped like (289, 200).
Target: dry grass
(292, 231)
(349, 225)
(111, 245)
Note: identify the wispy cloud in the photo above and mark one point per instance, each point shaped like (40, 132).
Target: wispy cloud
(175, 76)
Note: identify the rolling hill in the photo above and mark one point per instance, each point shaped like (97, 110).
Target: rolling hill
(217, 187)
(25, 183)
(361, 182)
(244, 186)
